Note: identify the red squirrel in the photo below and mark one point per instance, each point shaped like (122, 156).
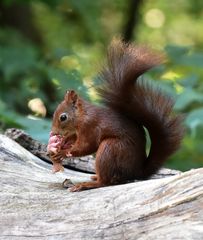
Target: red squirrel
(115, 131)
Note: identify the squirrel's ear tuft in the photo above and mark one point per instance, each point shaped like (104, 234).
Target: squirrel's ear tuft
(71, 96)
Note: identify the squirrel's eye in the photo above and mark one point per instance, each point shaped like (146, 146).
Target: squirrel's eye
(63, 117)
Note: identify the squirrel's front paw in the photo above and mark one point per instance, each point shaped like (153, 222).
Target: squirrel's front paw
(57, 157)
(57, 167)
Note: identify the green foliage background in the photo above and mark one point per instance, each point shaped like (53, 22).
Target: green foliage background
(73, 38)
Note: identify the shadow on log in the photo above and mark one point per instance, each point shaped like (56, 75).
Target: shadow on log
(33, 203)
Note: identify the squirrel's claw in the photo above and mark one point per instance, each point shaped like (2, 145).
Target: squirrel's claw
(68, 154)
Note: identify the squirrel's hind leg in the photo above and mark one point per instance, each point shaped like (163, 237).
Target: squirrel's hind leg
(109, 169)
(86, 186)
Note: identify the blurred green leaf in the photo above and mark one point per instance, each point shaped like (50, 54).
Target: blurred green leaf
(14, 61)
(192, 60)
(188, 97)
(194, 120)
(176, 52)
(189, 81)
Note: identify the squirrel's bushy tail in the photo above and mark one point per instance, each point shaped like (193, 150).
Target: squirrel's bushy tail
(136, 99)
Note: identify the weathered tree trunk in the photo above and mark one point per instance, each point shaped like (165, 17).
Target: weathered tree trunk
(82, 164)
(33, 203)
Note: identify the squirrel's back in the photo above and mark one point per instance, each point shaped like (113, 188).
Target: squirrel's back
(138, 101)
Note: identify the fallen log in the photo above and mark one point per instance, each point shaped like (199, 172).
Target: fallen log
(34, 204)
(83, 164)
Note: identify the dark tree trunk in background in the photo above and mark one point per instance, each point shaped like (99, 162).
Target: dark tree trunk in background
(19, 16)
(132, 19)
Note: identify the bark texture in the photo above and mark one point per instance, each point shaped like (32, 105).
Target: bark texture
(33, 203)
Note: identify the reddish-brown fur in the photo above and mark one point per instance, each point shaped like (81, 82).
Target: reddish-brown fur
(115, 132)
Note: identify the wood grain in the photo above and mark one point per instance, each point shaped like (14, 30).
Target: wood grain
(34, 205)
